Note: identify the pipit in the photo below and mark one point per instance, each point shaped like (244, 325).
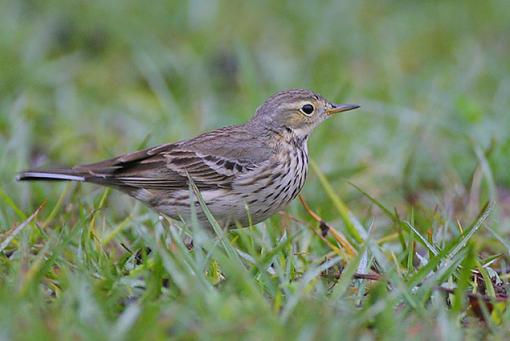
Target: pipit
(245, 173)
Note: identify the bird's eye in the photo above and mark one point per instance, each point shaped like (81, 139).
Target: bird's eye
(307, 109)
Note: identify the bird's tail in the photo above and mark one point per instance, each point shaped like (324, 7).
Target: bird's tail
(64, 174)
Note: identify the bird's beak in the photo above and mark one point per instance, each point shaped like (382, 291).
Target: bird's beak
(340, 108)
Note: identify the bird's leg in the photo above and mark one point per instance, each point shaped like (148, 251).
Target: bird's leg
(168, 223)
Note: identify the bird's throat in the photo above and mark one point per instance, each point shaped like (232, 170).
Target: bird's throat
(297, 137)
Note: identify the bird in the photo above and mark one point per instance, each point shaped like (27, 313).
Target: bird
(245, 173)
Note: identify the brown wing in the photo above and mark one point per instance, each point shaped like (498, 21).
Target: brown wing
(211, 160)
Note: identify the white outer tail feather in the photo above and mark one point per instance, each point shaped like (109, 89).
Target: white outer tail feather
(49, 176)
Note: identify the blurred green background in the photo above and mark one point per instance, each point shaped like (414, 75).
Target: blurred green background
(85, 80)
(82, 80)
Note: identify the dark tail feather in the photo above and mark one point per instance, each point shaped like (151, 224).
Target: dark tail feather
(51, 175)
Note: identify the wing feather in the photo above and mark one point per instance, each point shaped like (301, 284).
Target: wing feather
(168, 170)
(211, 160)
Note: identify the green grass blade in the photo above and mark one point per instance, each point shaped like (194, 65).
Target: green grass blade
(355, 230)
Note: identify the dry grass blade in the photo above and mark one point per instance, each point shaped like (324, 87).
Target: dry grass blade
(318, 232)
(368, 277)
(12, 232)
(325, 227)
(486, 298)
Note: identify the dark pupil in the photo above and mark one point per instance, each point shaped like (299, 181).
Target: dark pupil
(307, 109)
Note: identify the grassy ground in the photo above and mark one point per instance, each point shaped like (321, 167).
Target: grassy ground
(417, 180)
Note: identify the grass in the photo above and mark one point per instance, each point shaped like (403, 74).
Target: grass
(407, 233)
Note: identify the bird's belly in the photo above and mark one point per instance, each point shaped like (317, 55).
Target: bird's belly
(253, 197)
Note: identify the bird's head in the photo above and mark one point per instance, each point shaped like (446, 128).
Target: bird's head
(297, 111)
